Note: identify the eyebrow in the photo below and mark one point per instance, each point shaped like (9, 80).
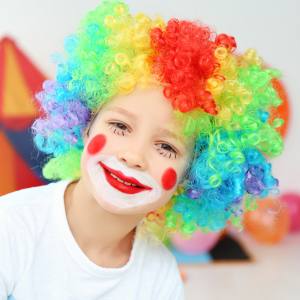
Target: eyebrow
(122, 111)
(166, 132)
(162, 131)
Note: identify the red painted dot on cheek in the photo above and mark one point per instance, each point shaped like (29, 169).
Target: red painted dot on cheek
(96, 144)
(169, 179)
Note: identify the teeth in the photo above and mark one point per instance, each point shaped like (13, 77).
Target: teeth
(125, 182)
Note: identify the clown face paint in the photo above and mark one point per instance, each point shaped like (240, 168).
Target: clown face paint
(169, 179)
(120, 186)
(96, 144)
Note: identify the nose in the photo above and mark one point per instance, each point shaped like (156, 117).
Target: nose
(132, 159)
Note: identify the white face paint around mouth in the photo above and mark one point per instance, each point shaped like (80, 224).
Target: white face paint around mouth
(113, 196)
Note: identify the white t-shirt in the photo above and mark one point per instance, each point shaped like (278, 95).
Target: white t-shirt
(41, 260)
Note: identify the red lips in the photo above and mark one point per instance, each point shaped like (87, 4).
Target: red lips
(119, 185)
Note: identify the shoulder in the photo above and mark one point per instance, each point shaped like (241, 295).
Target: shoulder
(162, 266)
(33, 200)
(18, 231)
(23, 207)
(25, 197)
(23, 215)
(158, 253)
(24, 212)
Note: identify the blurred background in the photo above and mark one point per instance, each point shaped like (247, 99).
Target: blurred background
(262, 262)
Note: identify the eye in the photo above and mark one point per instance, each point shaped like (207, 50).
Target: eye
(164, 149)
(118, 127)
(167, 150)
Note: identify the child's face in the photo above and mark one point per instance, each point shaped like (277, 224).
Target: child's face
(129, 138)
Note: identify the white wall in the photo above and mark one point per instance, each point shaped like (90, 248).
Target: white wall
(272, 27)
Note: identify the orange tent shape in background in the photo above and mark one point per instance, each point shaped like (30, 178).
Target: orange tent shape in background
(19, 81)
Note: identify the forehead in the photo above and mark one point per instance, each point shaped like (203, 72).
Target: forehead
(149, 107)
(146, 105)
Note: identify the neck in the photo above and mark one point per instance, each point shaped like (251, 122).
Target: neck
(95, 229)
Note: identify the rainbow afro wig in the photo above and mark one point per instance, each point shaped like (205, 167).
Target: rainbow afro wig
(226, 100)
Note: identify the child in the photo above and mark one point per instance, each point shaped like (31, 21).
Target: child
(150, 128)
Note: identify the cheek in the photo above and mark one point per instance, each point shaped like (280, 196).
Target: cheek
(169, 178)
(96, 144)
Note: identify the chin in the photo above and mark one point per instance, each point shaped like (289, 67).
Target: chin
(140, 210)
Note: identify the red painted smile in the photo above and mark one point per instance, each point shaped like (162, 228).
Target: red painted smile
(118, 180)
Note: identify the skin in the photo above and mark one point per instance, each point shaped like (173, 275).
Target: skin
(139, 143)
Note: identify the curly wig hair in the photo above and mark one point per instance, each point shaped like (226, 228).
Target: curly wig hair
(226, 100)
